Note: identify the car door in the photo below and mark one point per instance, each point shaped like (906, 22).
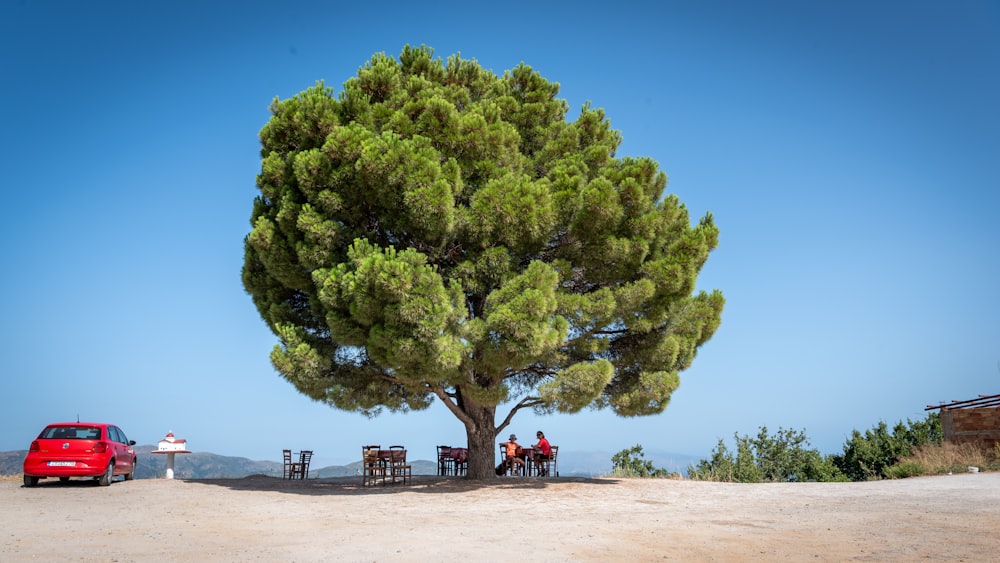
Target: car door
(129, 450)
(120, 443)
(129, 454)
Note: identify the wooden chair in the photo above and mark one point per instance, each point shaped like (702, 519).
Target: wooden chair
(511, 465)
(503, 458)
(373, 469)
(376, 447)
(398, 466)
(302, 467)
(445, 465)
(287, 466)
(518, 466)
(550, 466)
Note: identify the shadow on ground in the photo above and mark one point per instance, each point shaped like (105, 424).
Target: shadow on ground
(432, 484)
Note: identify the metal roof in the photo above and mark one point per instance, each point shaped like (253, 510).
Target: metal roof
(981, 401)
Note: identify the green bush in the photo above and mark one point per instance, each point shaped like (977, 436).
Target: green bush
(877, 454)
(904, 469)
(630, 463)
(868, 456)
(765, 458)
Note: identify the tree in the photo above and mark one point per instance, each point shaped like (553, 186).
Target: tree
(438, 231)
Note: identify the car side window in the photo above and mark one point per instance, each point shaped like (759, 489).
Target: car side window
(117, 434)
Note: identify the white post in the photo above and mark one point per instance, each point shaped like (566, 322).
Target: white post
(170, 465)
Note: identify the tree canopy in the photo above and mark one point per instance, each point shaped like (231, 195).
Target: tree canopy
(434, 230)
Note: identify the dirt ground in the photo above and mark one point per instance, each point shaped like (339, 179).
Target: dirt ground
(947, 518)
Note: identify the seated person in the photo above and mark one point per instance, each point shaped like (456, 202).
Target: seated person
(543, 454)
(513, 460)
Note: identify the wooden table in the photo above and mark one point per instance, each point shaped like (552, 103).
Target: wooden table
(528, 455)
(453, 461)
(393, 465)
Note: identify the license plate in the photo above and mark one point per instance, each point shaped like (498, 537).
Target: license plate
(62, 463)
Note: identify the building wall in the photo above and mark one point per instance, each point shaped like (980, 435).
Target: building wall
(979, 425)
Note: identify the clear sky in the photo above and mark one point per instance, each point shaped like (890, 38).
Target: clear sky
(849, 151)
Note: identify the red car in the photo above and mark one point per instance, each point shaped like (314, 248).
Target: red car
(80, 449)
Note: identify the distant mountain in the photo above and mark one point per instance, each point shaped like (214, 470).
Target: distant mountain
(597, 463)
(12, 462)
(672, 461)
(204, 465)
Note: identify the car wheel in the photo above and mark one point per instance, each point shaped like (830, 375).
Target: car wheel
(109, 473)
(131, 471)
(30, 481)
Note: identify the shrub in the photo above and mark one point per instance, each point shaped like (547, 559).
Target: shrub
(867, 456)
(766, 458)
(905, 469)
(630, 463)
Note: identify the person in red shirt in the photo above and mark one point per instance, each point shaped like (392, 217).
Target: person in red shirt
(543, 454)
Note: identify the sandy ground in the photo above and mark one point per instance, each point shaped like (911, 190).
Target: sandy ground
(952, 518)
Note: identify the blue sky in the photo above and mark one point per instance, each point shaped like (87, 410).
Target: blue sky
(849, 151)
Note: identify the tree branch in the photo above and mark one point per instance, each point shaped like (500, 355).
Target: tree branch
(447, 399)
(526, 402)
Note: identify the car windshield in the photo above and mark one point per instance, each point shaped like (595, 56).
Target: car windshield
(71, 433)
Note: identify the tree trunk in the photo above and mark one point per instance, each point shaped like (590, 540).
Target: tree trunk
(481, 434)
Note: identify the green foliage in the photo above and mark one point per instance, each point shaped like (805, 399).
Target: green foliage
(784, 456)
(436, 230)
(868, 456)
(876, 454)
(631, 463)
(904, 469)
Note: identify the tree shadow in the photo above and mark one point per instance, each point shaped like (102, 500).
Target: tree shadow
(425, 484)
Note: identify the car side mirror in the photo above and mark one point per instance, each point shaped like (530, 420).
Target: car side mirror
(131, 442)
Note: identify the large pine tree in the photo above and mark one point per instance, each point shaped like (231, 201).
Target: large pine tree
(437, 231)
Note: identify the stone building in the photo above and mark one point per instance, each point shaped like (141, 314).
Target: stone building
(971, 421)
